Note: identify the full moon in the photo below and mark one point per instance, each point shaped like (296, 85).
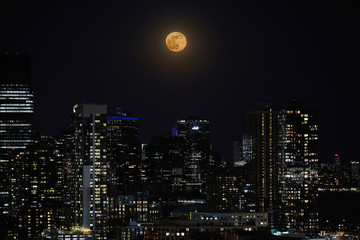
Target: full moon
(176, 41)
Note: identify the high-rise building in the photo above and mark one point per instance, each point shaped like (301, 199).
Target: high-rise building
(199, 162)
(42, 185)
(20, 196)
(163, 165)
(224, 190)
(64, 147)
(298, 160)
(16, 124)
(262, 130)
(124, 153)
(242, 151)
(16, 102)
(90, 168)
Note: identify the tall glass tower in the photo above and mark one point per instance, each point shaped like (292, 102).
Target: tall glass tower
(123, 153)
(90, 168)
(16, 102)
(262, 165)
(16, 130)
(196, 131)
(298, 160)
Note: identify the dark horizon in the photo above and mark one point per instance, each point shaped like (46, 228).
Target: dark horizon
(237, 56)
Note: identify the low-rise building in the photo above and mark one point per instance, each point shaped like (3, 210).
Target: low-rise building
(235, 219)
(194, 229)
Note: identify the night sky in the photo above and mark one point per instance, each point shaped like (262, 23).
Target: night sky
(238, 54)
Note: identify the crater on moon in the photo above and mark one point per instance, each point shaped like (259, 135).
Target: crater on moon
(176, 41)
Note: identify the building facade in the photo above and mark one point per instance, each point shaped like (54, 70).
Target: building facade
(90, 168)
(262, 166)
(163, 165)
(124, 153)
(298, 160)
(16, 130)
(225, 190)
(199, 161)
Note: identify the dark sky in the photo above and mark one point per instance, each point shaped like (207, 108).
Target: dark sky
(238, 54)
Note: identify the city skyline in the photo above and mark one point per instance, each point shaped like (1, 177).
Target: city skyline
(237, 56)
(179, 120)
(98, 181)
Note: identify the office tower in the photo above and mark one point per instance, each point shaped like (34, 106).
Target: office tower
(242, 150)
(65, 149)
(16, 130)
(163, 166)
(262, 126)
(41, 207)
(90, 168)
(46, 180)
(20, 196)
(298, 160)
(247, 148)
(16, 102)
(54, 154)
(123, 153)
(199, 162)
(224, 190)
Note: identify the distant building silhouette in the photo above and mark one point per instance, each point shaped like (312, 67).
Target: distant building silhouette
(355, 170)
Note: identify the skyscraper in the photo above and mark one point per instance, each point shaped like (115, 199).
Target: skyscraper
(242, 151)
(124, 153)
(196, 131)
(37, 188)
(16, 102)
(298, 160)
(16, 125)
(224, 190)
(163, 165)
(262, 139)
(90, 168)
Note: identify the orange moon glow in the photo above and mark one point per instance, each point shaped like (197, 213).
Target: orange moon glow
(176, 41)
